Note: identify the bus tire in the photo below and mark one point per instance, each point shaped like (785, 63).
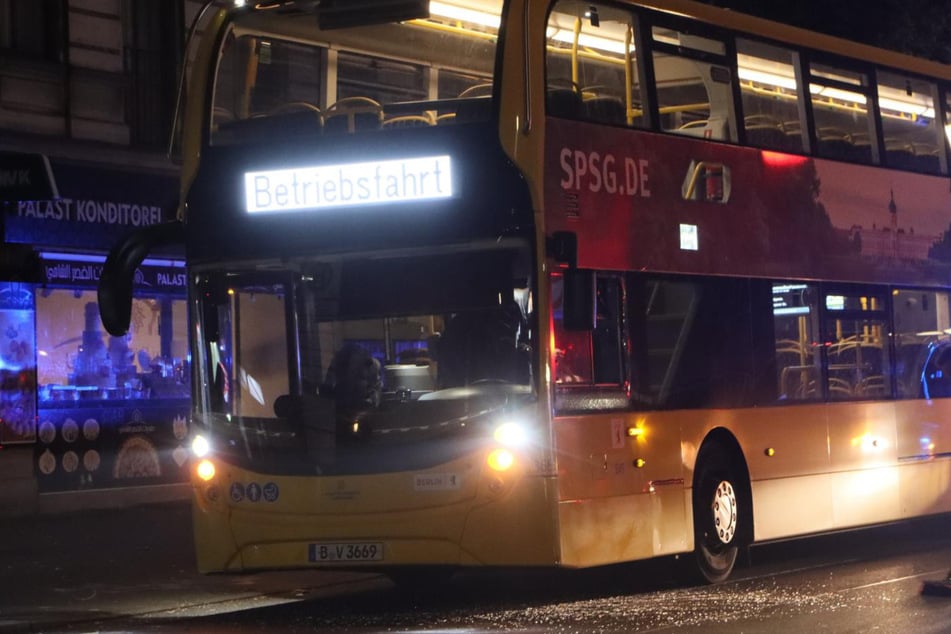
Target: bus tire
(720, 510)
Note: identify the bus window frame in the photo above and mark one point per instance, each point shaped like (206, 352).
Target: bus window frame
(901, 392)
(867, 87)
(647, 21)
(796, 61)
(639, 33)
(592, 396)
(884, 315)
(878, 81)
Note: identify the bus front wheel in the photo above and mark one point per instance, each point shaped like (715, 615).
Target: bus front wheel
(718, 510)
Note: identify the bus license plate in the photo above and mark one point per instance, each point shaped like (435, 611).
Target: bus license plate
(345, 551)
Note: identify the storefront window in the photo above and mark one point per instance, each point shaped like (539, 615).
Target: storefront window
(79, 361)
(111, 411)
(17, 364)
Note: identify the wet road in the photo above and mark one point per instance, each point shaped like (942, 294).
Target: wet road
(131, 571)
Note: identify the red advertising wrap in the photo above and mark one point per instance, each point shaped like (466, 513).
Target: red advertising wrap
(645, 201)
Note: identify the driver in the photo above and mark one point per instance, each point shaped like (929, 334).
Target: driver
(354, 378)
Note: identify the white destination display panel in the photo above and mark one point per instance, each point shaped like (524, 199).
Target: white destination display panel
(348, 184)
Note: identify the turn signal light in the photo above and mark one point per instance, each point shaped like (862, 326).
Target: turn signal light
(501, 460)
(205, 470)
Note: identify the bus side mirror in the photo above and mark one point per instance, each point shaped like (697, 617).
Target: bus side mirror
(118, 272)
(579, 299)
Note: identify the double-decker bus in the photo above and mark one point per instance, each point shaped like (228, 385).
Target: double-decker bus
(554, 283)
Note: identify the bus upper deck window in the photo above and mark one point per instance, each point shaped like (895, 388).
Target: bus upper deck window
(909, 125)
(592, 65)
(769, 93)
(694, 85)
(288, 80)
(844, 128)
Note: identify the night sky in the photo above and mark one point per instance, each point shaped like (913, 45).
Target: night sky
(917, 27)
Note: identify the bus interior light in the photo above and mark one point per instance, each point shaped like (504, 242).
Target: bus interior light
(462, 14)
(566, 36)
(903, 103)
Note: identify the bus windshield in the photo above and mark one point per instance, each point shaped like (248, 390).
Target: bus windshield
(395, 362)
(281, 73)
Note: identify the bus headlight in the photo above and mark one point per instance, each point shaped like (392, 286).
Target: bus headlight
(200, 446)
(511, 434)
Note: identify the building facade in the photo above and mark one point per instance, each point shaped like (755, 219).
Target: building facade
(88, 92)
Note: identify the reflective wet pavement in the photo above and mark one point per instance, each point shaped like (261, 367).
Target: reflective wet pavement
(131, 570)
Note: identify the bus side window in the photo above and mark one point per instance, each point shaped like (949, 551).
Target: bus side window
(592, 65)
(594, 357)
(607, 338)
(911, 141)
(922, 320)
(795, 326)
(769, 93)
(845, 134)
(857, 350)
(571, 349)
(694, 85)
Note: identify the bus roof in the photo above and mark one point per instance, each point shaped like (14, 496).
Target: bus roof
(269, 21)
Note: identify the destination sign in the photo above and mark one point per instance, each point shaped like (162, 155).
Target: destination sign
(349, 184)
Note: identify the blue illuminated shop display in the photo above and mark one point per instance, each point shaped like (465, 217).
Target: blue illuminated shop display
(98, 446)
(112, 411)
(17, 363)
(100, 411)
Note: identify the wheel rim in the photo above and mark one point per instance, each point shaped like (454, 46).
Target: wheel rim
(724, 512)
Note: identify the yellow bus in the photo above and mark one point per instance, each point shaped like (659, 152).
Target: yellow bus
(554, 283)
